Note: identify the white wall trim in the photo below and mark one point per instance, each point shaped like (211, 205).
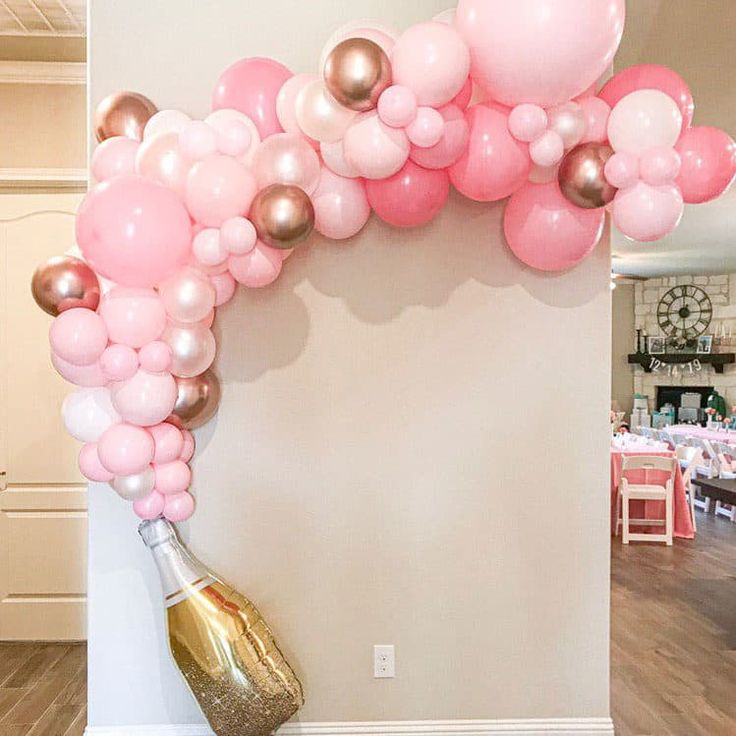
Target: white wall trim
(43, 72)
(74, 179)
(528, 727)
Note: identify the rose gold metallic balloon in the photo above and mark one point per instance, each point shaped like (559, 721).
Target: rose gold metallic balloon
(356, 72)
(65, 282)
(123, 113)
(283, 215)
(197, 400)
(582, 179)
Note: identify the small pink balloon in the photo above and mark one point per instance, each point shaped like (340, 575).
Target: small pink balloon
(155, 357)
(708, 163)
(225, 286)
(179, 507)
(426, 129)
(188, 296)
(78, 336)
(208, 248)
(286, 100)
(125, 449)
(150, 507)
(646, 213)
(286, 158)
(133, 317)
(450, 146)
(463, 97)
(119, 362)
(229, 126)
(397, 106)
(168, 441)
(145, 399)
(547, 150)
(660, 166)
(198, 140)
(238, 235)
(596, 112)
(333, 155)
(187, 452)
(114, 157)
(341, 206)
(622, 170)
(173, 477)
(90, 465)
(89, 376)
(527, 122)
(160, 158)
(258, 268)
(374, 149)
(234, 138)
(219, 187)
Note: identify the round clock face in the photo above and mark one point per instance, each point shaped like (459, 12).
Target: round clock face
(684, 311)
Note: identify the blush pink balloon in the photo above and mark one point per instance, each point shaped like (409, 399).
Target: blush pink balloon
(155, 357)
(149, 507)
(412, 197)
(146, 398)
(660, 166)
(547, 150)
(374, 149)
(208, 248)
(114, 157)
(165, 121)
(463, 97)
(708, 158)
(231, 124)
(426, 129)
(596, 112)
(179, 507)
(188, 296)
(258, 268)
(89, 376)
(161, 159)
(341, 206)
(251, 86)
(286, 100)
(397, 106)
(173, 477)
(78, 336)
(646, 213)
(133, 231)
(119, 362)
(90, 465)
(622, 170)
(218, 188)
(187, 452)
(125, 449)
(286, 158)
(546, 231)
(238, 235)
(133, 317)
(168, 441)
(450, 146)
(234, 138)
(198, 140)
(225, 286)
(541, 51)
(527, 122)
(333, 155)
(494, 164)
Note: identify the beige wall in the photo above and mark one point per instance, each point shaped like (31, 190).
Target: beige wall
(622, 374)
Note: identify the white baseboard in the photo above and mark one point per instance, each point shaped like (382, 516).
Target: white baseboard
(530, 727)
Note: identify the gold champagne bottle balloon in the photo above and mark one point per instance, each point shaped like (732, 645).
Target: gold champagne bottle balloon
(221, 644)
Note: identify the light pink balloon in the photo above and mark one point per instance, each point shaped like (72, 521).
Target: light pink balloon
(114, 157)
(286, 100)
(433, 61)
(188, 296)
(119, 362)
(133, 231)
(225, 286)
(198, 140)
(397, 106)
(78, 336)
(165, 122)
(187, 452)
(218, 188)
(596, 112)
(133, 317)
(179, 507)
(160, 158)
(426, 129)
(547, 150)
(341, 207)
(464, 96)
(145, 399)
(451, 145)
(90, 465)
(660, 166)
(646, 213)
(150, 507)
(333, 155)
(125, 449)
(208, 248)
(546, 231)
(708, 163)
(155, 357)
(238, 235)
(172, 477)
(286, 158)
(494, 164)
(88, 376)
(234, 138)
(642, 120)
(527, 122)
(540, 51)
(622, 170)
(374, 149)
(168, 441)
(226, 123)
(258, 268)
(319, 115)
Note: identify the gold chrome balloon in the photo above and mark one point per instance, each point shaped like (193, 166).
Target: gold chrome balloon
(283, 215)
(582, 178)
(356, 72)
(65, 282)
(197, 400)
(123, 113)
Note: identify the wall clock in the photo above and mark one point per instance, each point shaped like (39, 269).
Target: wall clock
(685, 312)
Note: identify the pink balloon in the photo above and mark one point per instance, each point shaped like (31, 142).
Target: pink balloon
(90, 465)
(150, 507)
(540, 51)
(527, 122)
(168, 441)
(463, 97)
(426, 129)
(286, 158)
(78, 336)
(546, 231)
(660, 166)
(133, 231)
(596, 112)
(286, 100)
(238, 235)
(155, 357)
(341, 207)
(161, 159)
(218, 188)
(708, 163)
(397, 106)
(198, 140)
(188, 296)
(179, 507)
(187, 451)
(114, 157)
(119, 362)
(494, 164)
(451, 145)
(89, 376)
(646, 213)
(333, 155)
(651, 76)
(208, 248)
(125, 450)
(133, 317)
(374, 149)
(622, 170)
(258, 268)
(234, 138)
(225, 286)
(252, 86)
(146, 398)
(410, 198)
(173, 477)
(547, 150)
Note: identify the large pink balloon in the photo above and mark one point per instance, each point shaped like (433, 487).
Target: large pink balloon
(146, 398)
(546, 231)
(410, 198)
(341, 206)
(646, 213)
(452, 144)
(494, 164)
(708, 163)
(134, 231)
(651, 76)
(78, 336)
(252, 86)
(540, 51)
(125, 450)
(133, 316)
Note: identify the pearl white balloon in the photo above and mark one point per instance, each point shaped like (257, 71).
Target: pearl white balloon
(569, 122)
(193, 348)
(643, 120)
(134, 487)
(166, 121)
(319, 115)
(88, 413)
(188, 296)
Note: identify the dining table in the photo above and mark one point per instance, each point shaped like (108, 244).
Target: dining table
(704, 433)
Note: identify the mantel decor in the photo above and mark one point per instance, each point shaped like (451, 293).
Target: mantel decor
(652, 363)
(498, 99)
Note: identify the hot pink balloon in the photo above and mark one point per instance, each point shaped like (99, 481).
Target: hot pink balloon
(546, 231)
(258, 268)
(146, 398)
(374, 149)
(155, 357)
(251, 86)
(412, 197)
(651, 76)
(225, 286)
(133, 231)
(114, 157)
(89, 376)
(119, 362)
(125, 450)
(622, 170)
(168, 441)
(133, 317)
(494, 164)
(660, 166)
(646, 213)
(708, 163)
(540, 51)
(149, 507)
(451, 145)
(596, 112)
(179, 507)
(78, 336)
(341, 206)
(161, 159)
(90, 465)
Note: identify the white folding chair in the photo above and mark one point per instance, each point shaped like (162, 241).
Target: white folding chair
(664, 436)
(646, 492)
(708, 468)
(689, 459)
(679, 439)
(647, 432)
(727, 465)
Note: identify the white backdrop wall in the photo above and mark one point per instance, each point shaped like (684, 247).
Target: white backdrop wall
(412, 445)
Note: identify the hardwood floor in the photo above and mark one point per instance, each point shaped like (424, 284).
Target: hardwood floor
(673, 646)
(43, 689)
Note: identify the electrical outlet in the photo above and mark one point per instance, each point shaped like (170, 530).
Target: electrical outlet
(384, 661)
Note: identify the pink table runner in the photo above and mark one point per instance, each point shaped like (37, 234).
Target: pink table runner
(651, 509)
(713, 435)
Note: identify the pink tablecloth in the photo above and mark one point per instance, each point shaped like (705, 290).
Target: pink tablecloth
(713, 435)
(651, 509)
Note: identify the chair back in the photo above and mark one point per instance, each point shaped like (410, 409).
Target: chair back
(649, 463)
(679, 439)
(666, 437)
(647, 432)
(726, 455)
(690, 457)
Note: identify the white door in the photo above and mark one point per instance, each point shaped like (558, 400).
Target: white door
(43, 498)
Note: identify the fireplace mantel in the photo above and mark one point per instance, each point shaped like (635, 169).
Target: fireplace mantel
(718, 360)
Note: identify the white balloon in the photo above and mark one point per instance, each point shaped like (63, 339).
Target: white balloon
(166, 121)
(134, 487)
(644, 119)
(88, 412)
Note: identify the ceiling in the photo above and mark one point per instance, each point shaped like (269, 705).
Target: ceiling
(43, 17)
